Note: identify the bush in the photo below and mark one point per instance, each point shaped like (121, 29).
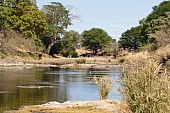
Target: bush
(104, 84)
(121, 59)
(81, 61)
(145, 89)
(70, 53)
(74, 54)
(168, 64)
(2, 56)
(29, 54)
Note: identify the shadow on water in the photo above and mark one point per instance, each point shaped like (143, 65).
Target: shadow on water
(30, 86)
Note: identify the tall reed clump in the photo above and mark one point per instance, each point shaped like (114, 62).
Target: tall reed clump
(145, 89)
(104, 85)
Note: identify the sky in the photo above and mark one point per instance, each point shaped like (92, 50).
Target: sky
(113, 16)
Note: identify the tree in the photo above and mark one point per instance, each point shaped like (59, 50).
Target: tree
(58, 20)
(131, 39)
(146, 34)
(111, 49)
(23, 16)
(161, 28)
(159, 11)
(95, 39)
(68, 44)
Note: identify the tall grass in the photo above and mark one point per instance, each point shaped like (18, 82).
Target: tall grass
(145, 89)
(104, 85)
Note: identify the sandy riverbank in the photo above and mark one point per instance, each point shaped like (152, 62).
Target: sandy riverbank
(105, 106)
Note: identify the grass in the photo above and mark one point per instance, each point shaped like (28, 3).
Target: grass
(104, 84)
(145, 89)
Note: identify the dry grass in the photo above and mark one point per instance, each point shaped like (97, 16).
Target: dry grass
(145, 89)
(163, 52)
(104, 84)
(132, 58)
(12, 42)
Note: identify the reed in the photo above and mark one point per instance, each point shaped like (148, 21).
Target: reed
(104, 85)
(145, 89)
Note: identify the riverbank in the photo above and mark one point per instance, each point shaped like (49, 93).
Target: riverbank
(94, 62)
(105, 106)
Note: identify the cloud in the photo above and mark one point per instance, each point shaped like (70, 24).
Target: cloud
(116, 24)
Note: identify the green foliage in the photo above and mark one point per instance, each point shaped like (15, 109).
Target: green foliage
(69, 43)
(145, 89)
(153, 30)
(58, 20)
(95, 39)
(159, 11)
(24, 17)
(121, 59)
(81, 61)
(132, 39)
(29, 54)
(70, 53)
(160, 30)
(168, 64)
(2, 55)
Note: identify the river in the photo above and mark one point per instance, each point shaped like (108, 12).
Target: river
(21, 86)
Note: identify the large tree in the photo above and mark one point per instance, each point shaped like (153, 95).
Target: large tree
(24, 17)
(150, 32)
(95, 39)
(131, 39)
(58, 20)
(161, 28)
(68, 44)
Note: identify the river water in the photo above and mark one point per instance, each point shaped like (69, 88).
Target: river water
(31, 86)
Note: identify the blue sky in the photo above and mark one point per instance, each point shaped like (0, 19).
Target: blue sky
(113, 16)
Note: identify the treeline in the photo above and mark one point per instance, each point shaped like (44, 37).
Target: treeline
(152, 33)
(47, 28)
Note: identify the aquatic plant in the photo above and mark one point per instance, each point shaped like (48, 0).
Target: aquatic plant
(104, 85)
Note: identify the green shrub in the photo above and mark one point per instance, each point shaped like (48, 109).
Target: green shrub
(74, 54)
(29, 54)
(145, 89)
(104, 84)
(121, 59)
(81, 61)
(168, 65)
(70, 53)
(2, 56)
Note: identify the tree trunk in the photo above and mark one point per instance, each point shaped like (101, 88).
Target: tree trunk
(49, 48)
(53, 42)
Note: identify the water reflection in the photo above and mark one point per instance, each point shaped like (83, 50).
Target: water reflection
(30, 86)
